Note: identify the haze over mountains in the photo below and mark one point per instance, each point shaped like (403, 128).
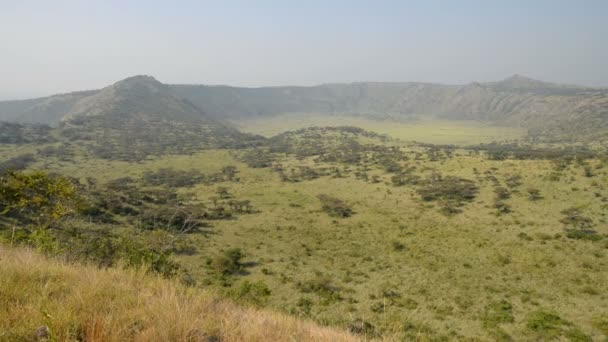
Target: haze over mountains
(546, 109)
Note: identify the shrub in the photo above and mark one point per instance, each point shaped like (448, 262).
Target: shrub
(514, 181)
(448, 188)
(574, 218)
(172, 178)
(502, 193)
(255, 293)
(583, 234)
(322, 286)
(335, 207)
(398, 246)
(228, 262)
(452, 192)
(534, 194)
(257, 158)
(502, 207)
(158, 262)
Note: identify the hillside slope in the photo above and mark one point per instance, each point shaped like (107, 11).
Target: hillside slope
(91, 304)
(140, 116)
(544, 108)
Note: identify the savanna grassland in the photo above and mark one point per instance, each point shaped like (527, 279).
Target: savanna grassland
(353, 229)
(431, 131)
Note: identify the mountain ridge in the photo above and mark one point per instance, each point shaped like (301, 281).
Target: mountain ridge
(543, 108)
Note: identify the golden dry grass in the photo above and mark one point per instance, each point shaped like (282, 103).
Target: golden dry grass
(85, 303)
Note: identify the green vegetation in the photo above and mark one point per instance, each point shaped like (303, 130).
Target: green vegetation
(346, 227)
(435, 131)
(335, 207)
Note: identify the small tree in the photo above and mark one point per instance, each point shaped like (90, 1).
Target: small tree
(335, 207)
(451, 192)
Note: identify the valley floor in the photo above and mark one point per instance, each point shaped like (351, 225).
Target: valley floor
(507, 269)
(457, 132)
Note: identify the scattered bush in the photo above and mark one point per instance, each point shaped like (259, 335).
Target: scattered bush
(257, 158)
(335, 207)
(584, 234)
(452, 191)
(323, 287)
(172, 178)
(575, 219)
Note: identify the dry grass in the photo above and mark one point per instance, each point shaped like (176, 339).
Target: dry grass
(85, 303)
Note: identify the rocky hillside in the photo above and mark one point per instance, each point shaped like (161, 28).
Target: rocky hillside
(543, 108)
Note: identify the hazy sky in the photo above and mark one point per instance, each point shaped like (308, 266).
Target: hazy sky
(56, 46)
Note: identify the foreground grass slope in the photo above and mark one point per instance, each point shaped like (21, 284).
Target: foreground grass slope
(86, 303)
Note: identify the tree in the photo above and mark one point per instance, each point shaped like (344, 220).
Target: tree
(37, 197)
(451, 192)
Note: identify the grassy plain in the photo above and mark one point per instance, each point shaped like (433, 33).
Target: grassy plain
(423, 130)
(398, 262)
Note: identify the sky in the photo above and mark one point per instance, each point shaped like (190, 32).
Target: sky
(49, 47)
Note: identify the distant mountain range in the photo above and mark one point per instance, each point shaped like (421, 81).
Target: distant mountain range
(546, 109)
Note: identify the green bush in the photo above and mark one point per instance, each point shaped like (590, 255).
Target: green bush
(255, 293)
(448, 188)
(228, 262)
(172, 178)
